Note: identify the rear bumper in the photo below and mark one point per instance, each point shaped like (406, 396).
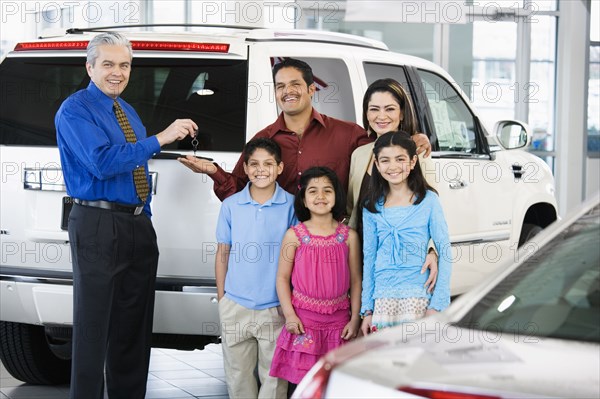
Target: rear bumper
(183, 306)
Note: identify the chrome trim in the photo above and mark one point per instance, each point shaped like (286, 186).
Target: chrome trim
(36, 280)
(504, 237)
(59, 277)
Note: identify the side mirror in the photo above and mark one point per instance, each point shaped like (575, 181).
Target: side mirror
(512, 134)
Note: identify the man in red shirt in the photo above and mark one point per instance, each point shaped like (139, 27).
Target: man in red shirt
(306, 137)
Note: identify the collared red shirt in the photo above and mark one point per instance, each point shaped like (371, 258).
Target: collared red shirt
(97, 161)
(254, 231)
(325, 142)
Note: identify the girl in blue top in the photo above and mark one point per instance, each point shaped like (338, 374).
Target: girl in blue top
(401, 214)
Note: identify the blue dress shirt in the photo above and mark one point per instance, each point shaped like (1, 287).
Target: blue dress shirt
(97, 161)
(254, 231)
(395, 244)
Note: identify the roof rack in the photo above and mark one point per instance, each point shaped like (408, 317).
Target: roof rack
(258, 34)
(316, 36)
(103, 28)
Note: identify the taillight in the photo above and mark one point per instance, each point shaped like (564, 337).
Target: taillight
(135, 44)
(181, 46)
(439, 394)
(79, 45)
(314, 384)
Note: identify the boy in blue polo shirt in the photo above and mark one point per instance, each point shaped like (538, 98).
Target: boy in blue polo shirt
(251, 225)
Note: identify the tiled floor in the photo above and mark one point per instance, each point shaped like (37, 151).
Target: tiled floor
(173, 374)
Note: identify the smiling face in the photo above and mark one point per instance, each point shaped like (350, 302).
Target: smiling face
(394, 164)
(319, 197)
(291, 91)
(383, 113)
(110, 72)
(262, 168)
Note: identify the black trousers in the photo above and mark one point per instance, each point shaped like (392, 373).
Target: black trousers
(115, 257)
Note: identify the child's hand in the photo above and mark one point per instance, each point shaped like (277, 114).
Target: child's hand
(351, 329)
(293, 325)
(366, 325)
(430, 312)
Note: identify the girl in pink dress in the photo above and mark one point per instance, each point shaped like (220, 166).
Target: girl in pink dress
(318, 279)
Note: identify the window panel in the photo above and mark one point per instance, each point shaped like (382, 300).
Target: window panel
(375, 71)
(453, 122)
(541, 89)
(211, 92)
(410, 38)
(560, 279)
(493, 89)
(593, 117)
(533, 5)
(168, 12)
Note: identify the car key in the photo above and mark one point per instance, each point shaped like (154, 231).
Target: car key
(195, 143)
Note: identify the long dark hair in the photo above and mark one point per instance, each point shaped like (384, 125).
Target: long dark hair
(379, 187)
(302, 212)
(409, 120)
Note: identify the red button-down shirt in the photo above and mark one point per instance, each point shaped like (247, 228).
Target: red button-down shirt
(325, 142)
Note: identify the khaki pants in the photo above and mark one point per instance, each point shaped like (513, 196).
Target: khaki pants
(248, 339)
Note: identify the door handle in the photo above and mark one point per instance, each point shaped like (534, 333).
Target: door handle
(153, 181)
(457, 184)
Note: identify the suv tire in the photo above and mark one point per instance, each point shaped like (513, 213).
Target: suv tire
(26, 354)
(528, 232)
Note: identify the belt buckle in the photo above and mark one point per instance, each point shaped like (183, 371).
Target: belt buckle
(138, 210)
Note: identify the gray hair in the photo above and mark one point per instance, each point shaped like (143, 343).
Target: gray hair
(106, 38)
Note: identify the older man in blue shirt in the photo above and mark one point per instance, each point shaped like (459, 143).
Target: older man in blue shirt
(104, 152)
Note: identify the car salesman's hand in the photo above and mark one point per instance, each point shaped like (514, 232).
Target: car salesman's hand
(177, 130)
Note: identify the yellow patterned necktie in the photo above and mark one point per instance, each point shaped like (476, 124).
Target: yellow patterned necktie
(139, 174)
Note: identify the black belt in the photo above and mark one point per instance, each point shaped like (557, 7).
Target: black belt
(113, 206)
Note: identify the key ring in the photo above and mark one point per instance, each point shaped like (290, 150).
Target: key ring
(195, 144)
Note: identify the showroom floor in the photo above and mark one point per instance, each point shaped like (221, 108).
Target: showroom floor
(173, 374)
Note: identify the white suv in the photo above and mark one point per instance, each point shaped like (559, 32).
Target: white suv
(494, 196)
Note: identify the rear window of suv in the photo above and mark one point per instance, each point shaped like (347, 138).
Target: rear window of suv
(211, 92)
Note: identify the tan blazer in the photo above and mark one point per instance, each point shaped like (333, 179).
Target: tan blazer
(359, 162)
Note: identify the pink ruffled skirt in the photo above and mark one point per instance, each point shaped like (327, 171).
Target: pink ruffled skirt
(296, 354)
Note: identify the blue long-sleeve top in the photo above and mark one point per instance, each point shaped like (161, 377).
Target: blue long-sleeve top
(97, 161)
(395, 244)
